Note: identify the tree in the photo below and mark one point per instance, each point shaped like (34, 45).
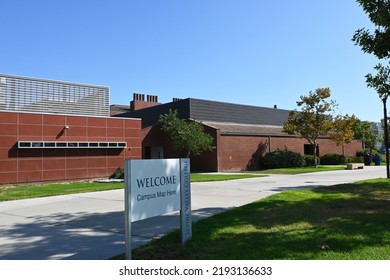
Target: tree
(312, 121)
(187, 136)
(383, 126)
(381, 83)
(377, 43)
(365, 132)
(342, 132)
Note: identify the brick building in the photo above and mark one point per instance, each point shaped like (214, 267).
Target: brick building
(242, 134)
(52, 130)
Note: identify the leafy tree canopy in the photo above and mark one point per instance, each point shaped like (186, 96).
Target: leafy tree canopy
(185, 136)
(364, 132)
(342, 132)
(378, 41)
(313, 119)
(381, 81)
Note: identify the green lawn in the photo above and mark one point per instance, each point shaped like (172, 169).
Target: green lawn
(300, 170)
(31, 191)
(204, 177)
(348, 221)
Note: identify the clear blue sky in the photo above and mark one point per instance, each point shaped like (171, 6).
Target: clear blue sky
(253, 52)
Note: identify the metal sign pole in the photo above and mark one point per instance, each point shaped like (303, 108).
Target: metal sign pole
(128, 209)
(185, 201)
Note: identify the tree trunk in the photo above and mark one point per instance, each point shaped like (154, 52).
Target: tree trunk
(315, 154)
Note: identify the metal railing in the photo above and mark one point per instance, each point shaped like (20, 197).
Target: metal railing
(22, 94)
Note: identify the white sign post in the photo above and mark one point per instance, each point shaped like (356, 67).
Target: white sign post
(156, 187)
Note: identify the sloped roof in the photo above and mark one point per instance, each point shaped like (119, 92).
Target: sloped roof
(205, 110)
(246, 129)
(119, 109)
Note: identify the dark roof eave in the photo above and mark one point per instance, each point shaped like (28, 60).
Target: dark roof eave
(254, 134)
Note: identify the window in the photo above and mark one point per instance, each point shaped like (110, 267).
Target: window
(148, 152)
(37, 144)
(50, 144)
(70, 145)
(309, 149)
(24, 144)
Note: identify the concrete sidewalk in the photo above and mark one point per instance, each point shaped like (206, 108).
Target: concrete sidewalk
(90, 226)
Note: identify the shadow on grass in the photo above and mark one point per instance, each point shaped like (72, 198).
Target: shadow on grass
(350, 221)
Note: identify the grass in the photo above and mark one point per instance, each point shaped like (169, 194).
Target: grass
(33, 191)
(8, 193)
(202, 177)
(300, 170)
(347, 221)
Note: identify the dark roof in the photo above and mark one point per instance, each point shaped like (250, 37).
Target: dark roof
(151, 115)
(119, 109)
(212, 111)
(246, 129)
(205, 110)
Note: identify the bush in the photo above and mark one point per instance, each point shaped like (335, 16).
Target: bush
(366, 151)
(283, 159)
(309, 159)
(333, 159)
(118, 174)
(355, 159)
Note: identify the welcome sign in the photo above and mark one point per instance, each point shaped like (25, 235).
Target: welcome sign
(156, 187)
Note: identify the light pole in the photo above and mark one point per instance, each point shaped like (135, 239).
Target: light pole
(384, 99)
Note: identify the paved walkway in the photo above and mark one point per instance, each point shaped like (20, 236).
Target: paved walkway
(90, 226)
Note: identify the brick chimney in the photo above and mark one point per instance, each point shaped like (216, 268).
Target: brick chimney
(140, 103)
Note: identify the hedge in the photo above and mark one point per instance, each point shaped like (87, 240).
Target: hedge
(283, 159)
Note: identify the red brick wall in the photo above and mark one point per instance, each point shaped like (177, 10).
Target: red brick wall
(242, 152)
(138, 105)
(38, 165)
(233, 153)
(207, 161)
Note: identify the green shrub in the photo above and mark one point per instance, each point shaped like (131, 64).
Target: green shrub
(355, 159)
(366, 151)
(309, 159)
(333, 159)
(283, 159)
(118, 174)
